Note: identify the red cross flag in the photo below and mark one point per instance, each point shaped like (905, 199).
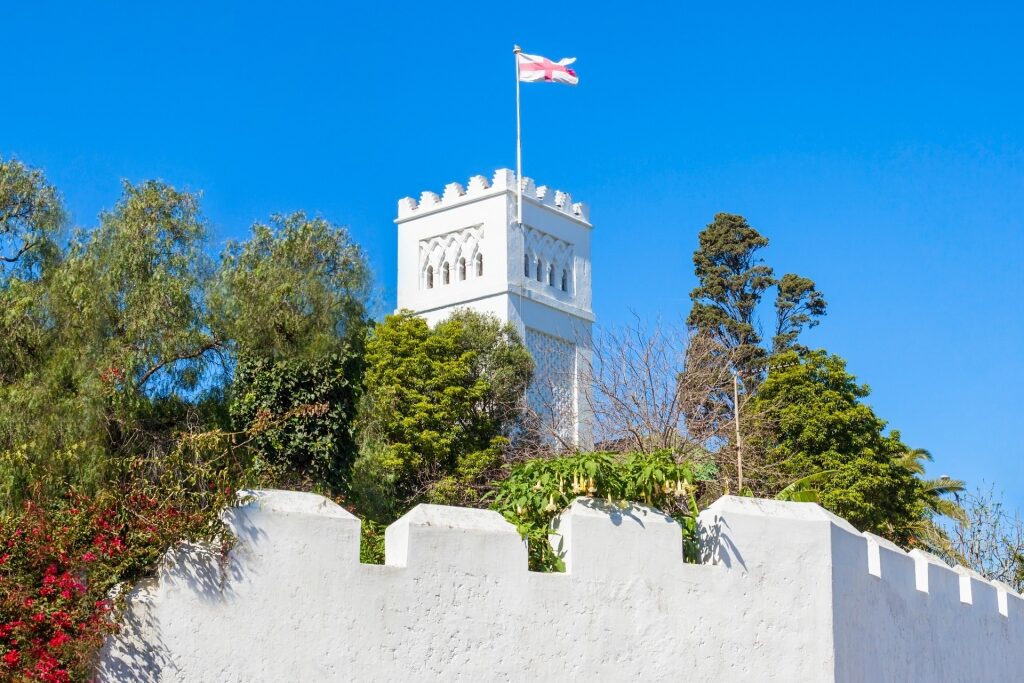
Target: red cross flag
(536, 68)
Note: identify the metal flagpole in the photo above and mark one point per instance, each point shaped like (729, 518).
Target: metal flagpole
(519, 145)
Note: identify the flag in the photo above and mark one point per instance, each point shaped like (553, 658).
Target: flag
(536, 68)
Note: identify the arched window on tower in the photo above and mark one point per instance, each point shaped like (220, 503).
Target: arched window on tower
(462, 268)
(430, 277)
(540, 277)
(479, 265)
(446, 274)
(551, 275)
(565, 280)
(526, 265)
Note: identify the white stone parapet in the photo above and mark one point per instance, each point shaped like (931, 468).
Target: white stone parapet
(503, 180)
(789, 592)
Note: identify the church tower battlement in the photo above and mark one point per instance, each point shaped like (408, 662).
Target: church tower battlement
(465, 249)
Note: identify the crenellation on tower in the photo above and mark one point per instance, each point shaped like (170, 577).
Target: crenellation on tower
(503, 180)
(452, 191)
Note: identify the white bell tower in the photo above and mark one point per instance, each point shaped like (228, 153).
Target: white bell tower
(464, 249)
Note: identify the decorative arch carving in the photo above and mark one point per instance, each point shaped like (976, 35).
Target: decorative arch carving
(545, 257)
(456, 247)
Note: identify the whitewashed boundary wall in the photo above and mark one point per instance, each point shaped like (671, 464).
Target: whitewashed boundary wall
(789, 593)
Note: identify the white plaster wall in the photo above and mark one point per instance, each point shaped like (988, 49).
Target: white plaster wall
(907, 605)
(787, 597)
(497, 305)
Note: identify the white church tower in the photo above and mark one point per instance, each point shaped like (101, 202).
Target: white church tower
(464, 249)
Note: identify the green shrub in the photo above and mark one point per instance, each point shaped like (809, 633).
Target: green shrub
(536, 491)
(299, 414)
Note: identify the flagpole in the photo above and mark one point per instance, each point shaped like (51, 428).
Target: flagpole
(519, 145)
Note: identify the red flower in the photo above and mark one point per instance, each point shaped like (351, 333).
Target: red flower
(89, 556)
(12, 658)
(59, 639)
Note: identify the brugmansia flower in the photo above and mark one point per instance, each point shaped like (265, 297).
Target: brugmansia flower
(551, 507)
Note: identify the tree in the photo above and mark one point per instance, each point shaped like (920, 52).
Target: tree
(819, 423)
(798, 306)
(138, 281)
(126, 338)
(31, 216)
(733, 279)
(298, 287)
(31, 219)
(114, 345)
(440, 406)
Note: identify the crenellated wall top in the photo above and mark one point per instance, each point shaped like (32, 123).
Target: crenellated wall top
(503, 180)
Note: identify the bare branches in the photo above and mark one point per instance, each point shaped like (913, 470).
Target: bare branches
(25, 248)
(650, 387)
(636, 399)
(191, 355)
(991, 539)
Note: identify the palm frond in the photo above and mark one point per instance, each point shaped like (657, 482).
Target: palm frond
(802, 490)
(914, 458)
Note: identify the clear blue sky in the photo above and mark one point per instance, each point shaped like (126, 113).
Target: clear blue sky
(881, 149)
